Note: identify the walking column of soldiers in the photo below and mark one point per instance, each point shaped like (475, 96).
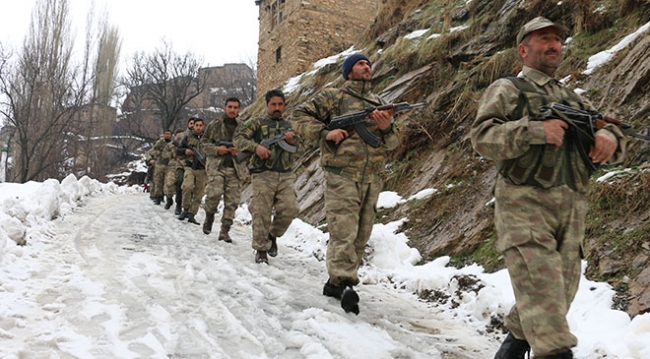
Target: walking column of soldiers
(540, 189)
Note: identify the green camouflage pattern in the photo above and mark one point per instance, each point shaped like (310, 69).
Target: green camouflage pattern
(225, 175)
(252, 132)
(170, 180)
(539, 219)
(519, 144)
(272, 190)
(353, 158)
(351, 207)
(193, 187)
(192, 140)
(540, 232)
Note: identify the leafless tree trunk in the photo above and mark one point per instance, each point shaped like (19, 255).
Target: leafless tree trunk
(43, 95)
(93, 156)
(160, 86)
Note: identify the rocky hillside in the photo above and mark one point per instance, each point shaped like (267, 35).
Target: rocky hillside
(448, 52)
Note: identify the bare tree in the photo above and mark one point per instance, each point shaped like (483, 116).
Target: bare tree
(42, 95)
(160, 86)
(93, 154)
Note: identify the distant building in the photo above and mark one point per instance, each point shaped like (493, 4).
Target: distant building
(229, 80)
(296, 33)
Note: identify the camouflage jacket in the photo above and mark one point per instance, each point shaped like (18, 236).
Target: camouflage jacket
(191, 140)
(217, 131)
(352, 158)
(252, 132)
(157, 149)
(518, 143)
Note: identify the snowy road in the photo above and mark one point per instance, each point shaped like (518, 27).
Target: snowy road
(122, 278)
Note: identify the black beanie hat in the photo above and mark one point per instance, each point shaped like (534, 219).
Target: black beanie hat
(349, 63)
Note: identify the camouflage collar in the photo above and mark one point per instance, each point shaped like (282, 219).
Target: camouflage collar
(360, 88)
(536, 76)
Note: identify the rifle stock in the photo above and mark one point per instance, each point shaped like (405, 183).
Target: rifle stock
(357, 119)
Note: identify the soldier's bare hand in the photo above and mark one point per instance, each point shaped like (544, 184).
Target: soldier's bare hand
(337, 135)
(222, 150)
(262, 152)
(188, 152)
(554, 130)
(603, 149)
(152, 162)
(289, 138)
(233, 151)
(382, 118)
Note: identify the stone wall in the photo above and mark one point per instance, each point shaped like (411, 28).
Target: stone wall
(296, 33)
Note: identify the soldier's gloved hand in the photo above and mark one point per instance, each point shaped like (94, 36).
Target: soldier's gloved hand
(262, 152)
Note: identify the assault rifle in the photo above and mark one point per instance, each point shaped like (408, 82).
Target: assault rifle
(267, 143)
(586, 121)
(228, 144)
(358, 119)
(198, 156)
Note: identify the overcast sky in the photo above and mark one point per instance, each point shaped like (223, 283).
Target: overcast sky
(219, 31)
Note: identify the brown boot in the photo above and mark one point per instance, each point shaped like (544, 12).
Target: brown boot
(207, 225)
(260, 257)
(223, 233)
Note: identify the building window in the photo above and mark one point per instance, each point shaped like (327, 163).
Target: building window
(277, 8)
(278, 54)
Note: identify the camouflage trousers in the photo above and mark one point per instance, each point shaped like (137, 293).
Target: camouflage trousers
(223, 181)
(540, 232)
(351, 207)
(178, 184)
(170, 179)
(159, 179)
(193, 189)
(150, 180)
(272, 190)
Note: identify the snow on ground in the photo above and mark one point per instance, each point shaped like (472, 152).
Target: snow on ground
(107, 274)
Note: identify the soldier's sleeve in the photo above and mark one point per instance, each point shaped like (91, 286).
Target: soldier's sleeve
(494, 134)
(310, 117)
(208, 144)
(182, 147)
(243, 138)
(156, 151)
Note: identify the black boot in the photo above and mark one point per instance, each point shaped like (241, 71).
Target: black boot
(207, 225)
(190, 218)
(157, 200)
(223, 233)
(350, 300)
(331, 290)
(178, 209)
(169, 203)
(183, 215)
(513, 348)
(260, 257)
(273, 251)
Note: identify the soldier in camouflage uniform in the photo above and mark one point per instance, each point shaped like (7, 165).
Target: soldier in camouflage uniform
(354, 172)
(170, 172)
(224, 173)
(194, 176)
(160, 158)
(273, 179)
(540, 192)
(180, 166)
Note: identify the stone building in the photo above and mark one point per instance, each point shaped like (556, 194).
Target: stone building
(296, 33)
